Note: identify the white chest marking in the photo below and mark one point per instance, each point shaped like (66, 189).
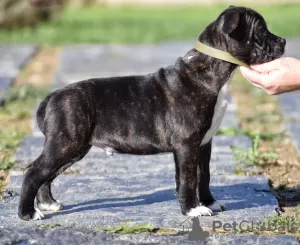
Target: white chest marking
(219, 112)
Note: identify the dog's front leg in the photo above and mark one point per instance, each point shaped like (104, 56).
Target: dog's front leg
(186, 160)
(204, 194)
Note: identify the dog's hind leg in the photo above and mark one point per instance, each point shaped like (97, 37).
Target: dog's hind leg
(56, 156)
(44, 198)
(67, 126)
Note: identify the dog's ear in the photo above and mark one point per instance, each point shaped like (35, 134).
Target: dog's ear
(230, 21)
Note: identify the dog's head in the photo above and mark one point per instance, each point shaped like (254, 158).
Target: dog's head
(244, 34)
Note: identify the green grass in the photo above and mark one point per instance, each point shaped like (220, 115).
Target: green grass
(132, 228)
(20, 101)
(17, 109)
(10, 138)
(142, 25)
(245, 158)
(275, 225)
(129, 228)
(265, 136)
(251, 156)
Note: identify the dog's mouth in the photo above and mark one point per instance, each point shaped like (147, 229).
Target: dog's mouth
(265, 57)
(273, 56)
(276, 53)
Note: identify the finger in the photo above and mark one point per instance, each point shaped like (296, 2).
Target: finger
(244, 72)
(256, 85)
(259, 79)
(266, 67)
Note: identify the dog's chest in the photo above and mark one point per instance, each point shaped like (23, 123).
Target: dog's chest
(219, 111)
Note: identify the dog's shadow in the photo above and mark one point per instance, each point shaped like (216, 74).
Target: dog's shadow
(222, 193)
(146, 199)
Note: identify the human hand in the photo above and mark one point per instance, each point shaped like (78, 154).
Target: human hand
(275, 77)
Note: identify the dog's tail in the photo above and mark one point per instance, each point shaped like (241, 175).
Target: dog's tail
(41, 112)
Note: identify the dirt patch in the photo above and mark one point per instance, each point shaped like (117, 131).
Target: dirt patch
(259, 112)
(39, 71)
(3, 180)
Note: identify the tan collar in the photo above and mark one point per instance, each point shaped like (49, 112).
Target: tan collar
(219, 54)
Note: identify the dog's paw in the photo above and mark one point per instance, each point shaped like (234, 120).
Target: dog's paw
(37, 215)
(109, 151)
(200, 211)
(217, 207)
(55, 206)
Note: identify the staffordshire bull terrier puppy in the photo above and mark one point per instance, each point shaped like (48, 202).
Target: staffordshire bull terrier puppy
(177, 109)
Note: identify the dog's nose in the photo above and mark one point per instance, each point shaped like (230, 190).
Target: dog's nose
(283, 41)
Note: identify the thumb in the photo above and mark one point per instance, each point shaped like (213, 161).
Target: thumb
(267, 67)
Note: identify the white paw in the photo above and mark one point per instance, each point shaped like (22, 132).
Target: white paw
(217, 207)
(200, 211)
(51, 207)
(37, 214)
(109, 151)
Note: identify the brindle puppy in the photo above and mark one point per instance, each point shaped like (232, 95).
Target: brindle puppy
(176, 109)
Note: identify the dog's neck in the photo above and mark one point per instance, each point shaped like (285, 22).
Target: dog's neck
(197, 60)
